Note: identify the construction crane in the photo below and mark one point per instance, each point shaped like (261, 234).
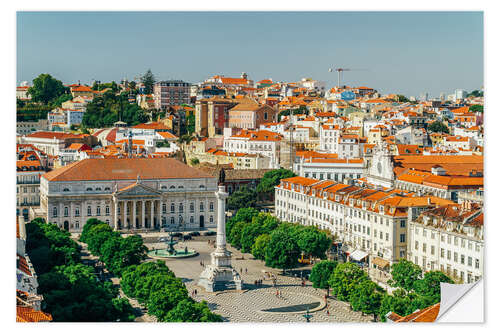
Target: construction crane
(340, 70)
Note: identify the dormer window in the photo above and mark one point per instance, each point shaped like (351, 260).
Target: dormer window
(98, 189)
(172, 187)
(107, 189)
(65, 189)
(202, 187)
(89, 189)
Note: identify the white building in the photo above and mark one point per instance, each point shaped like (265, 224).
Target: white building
(330, 168)
(264, 143)
(329, 135)
(450, 239)
(372, 222)
(129, 194)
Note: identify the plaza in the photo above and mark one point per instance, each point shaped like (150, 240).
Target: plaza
(255, 303)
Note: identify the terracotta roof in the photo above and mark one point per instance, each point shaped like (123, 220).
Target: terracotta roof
(427, 315)
(124, 169)
(167, 135)
(51, 135)
(153, 125)
(454, 165)
(26, 314)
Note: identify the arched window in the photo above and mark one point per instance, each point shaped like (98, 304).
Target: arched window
(107, 210)
(65, 189)
(66, 211)
(202, 207)
(172, 187)
(107, 189)
(211, 206)
(172, 208)
(202, 187)
(181, 186)
(98, 211)
(164, 208)
(54, 212)
(191, 219)
(191, 207)
(172, 220)
(164, 187)
(89, 188)
(98, 189)
(181, 208)
(89, 211)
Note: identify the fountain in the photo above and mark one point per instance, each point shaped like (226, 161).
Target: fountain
(170, 251)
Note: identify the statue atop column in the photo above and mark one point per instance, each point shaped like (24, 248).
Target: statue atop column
(220, 275)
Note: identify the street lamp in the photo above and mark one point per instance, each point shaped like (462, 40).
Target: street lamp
(308, 316)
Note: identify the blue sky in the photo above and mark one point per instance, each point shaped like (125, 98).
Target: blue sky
(403, 52)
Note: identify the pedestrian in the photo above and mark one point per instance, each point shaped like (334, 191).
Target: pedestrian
(195, 292)
(246, 270)
(277, 293)
(327, 312)
(241, 270)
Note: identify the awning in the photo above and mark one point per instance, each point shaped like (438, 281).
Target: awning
(382, 263)
(358, 255)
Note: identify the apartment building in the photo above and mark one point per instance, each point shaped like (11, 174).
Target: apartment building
(171, 92)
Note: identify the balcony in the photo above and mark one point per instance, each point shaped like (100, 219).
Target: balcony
(28, 182)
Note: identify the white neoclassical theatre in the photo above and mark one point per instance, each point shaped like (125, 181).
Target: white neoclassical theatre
(129, 194)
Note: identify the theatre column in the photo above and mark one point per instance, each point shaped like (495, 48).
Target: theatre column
(143, 221)
(151, 220)
(134, 226)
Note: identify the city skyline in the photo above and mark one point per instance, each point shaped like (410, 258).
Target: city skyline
(403, 52)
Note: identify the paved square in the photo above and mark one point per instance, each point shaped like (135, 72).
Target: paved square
(247, 305)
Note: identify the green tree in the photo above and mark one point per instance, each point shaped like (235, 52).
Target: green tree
(195, 161)
(132, 85)
(367, 297)
(430, 285)
(313, 242)
(397, 304)
(404, 274)
(259, 247)
(285, 252)
(242, 215)
(475, 93)
(86, 228)
(271, 179)
(476, 108)
(149, 80)
(345, 278)
(46, 88)
(235, 236)
(190, 121)
(61, 99)
(244, 197)
(189, 311)
(402, 99)
(248, 235)
(321, 272)
(438, 127)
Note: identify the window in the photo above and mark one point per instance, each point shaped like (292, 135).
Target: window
(416, 245)
(89, 189)
(191, 207)
(387, 236)
(477, 263)
(172, 208)
(181, 208)
(191, 219)
(402, 238)
(77, 225)
(65, 211)
(448, 255)
(98, 211)
(98, 189)
(211, 206)
(164, 208)
(469, 261)
(455, 242)
(424, 247)
(54, 212)
(202, 207)
(172, 220)
(455, 257)
(65, 189)
(403, 224)
(107, 210)
(77, 211)
(432, 249)
(211, 219)
(462, 259)
(89, 211)
(107, 189)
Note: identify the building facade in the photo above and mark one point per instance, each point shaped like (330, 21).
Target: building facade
(171, 92)
(129, 194)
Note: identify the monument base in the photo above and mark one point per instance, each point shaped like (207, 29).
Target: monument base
(220, 275)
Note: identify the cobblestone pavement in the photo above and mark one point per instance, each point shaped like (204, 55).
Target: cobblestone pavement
(247, 306)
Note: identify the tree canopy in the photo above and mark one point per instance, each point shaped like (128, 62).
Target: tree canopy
(367, 297)
(149, 80)
(405, 274)
(244, 197)
(321, 272)
(345, 278)
(438, 127)
(476, 108)
(46, 88)
(271, 179)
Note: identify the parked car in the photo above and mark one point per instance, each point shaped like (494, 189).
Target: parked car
(210, 233)
(194, 233)
(177, 234)
(187, 237)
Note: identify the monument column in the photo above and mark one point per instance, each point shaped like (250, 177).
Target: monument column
(221, 219)
(158, 212)
(115, 214)
(134, 226)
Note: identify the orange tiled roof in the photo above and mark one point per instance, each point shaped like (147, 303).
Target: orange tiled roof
(26, 314)
(51, 135)
(124, 169)
(426, 315)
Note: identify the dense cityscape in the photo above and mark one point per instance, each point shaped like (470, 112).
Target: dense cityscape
(343, 204)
